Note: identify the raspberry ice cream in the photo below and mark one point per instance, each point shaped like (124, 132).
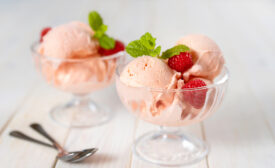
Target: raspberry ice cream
(171, 89)
(148, 71)
(72, 40)
(72, 58)
(83, 77)
(151, 72)
(207, 56)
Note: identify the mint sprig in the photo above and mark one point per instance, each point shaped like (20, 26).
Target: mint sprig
(106, 42)
(174, 51)
(100, 31)
(144, 46)
(96, 23)
(95, 20)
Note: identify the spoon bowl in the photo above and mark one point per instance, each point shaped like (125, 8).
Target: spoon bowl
(79, 155)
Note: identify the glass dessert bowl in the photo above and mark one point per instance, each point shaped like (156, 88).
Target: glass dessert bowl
(79, 77)
(171, 109)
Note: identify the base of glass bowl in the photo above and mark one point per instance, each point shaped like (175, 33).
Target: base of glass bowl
(80, 112)
(170, 148)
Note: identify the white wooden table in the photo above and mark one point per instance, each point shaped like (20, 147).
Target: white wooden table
(241, 133)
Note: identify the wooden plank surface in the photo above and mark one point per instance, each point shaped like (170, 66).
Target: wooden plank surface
(241, 133)
(16, 153)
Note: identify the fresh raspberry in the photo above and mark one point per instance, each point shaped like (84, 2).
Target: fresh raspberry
(44, 32)
(195, 97)
(119, 46)
(180, 62)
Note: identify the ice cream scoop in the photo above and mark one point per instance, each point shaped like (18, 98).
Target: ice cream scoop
(78, 68)
(147, 71)
(72, 40)
(85, 76)
(153, 73)
(207, 57)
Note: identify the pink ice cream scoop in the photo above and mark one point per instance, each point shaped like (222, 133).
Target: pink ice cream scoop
(148, 71)
(72, 40)
(84, 76)
(207, 57)
(152, 73)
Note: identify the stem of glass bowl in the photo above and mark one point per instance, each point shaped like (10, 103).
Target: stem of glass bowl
(165, 129)
(170, 146)
(81, 111)
(82, 100)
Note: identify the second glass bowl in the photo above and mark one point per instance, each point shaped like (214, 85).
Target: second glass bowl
(169, 108)
(79, 77)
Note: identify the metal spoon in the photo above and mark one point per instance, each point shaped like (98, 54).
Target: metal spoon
(65, 156)
(76, 156)
(70, 157)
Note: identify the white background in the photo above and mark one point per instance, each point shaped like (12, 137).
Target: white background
(241, 133)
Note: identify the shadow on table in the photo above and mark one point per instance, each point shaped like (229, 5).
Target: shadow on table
(239, 122)
(100, 159)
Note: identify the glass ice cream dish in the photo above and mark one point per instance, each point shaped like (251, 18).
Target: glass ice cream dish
(71, 58)
(157, 89)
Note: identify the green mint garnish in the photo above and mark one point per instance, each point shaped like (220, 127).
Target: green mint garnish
(144, 46)
(96, 23)
(106, 42)
(100, 31)
(95, 20)
(174, 51)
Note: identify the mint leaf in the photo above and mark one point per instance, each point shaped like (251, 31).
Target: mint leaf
(136, 49)
(174, 51)
(101, 31)
(156, 52)
(106, 42)
(148, 41)
(95, 20)
(96, 23)
(144, 46)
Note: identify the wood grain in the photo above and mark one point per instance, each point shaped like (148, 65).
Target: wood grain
(241, 133)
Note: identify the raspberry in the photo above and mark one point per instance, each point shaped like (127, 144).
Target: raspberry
(44, 32)
(119, 46)
(181, 62)
(195, 97)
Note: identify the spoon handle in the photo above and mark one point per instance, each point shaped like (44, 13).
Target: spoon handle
(20, 135)
(37, 127)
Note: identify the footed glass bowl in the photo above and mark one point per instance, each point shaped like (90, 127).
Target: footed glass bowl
(79, 77)
(171, 109)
